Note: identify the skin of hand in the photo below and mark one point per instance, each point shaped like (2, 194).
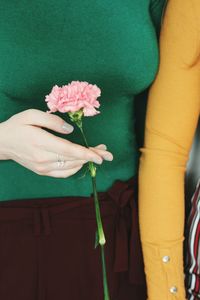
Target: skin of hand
(23, 139)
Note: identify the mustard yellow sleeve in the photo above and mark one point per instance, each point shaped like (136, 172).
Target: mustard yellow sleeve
(172, 115)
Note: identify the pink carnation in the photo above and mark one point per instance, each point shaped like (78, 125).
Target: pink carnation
(73, 97)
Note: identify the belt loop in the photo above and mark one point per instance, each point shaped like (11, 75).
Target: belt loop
(46, 221)
(37, 222)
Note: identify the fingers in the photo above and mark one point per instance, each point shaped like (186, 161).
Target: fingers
(63, 173)
(83, 153)
(101, 150)
(88, 154)
(70, 150)
(101, 146)
(44, 169)
(42, 119)
(45, 157)
(48, 165)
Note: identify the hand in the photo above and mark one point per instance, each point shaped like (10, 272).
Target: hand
(23, 140)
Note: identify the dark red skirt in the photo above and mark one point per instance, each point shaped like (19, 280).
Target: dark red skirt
(47, 247)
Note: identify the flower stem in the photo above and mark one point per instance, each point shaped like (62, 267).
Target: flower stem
(92, 170)
(105, 281)
(80, 125)
(101, 235)
(100, 231)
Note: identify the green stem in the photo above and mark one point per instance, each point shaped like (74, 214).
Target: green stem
(83, 135)
(105, 281)
(101, 236)
(92, 170)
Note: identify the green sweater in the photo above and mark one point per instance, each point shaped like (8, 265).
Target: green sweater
(109, 43)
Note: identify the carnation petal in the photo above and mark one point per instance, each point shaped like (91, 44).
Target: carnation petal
(73, 97)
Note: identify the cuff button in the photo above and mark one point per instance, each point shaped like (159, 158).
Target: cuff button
(173, 290)
(166, 259)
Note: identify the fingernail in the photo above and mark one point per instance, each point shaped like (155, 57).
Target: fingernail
(98, 161)
(103, 147)
(108, 157)
(67, 127)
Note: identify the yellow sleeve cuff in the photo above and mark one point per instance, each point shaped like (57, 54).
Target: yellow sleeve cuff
(164, 271)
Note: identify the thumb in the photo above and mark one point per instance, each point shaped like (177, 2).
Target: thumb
(42, 119)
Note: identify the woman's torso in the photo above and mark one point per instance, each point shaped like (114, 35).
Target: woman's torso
(109, 43)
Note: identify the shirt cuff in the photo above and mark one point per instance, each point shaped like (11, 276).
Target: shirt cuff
(164, 271)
